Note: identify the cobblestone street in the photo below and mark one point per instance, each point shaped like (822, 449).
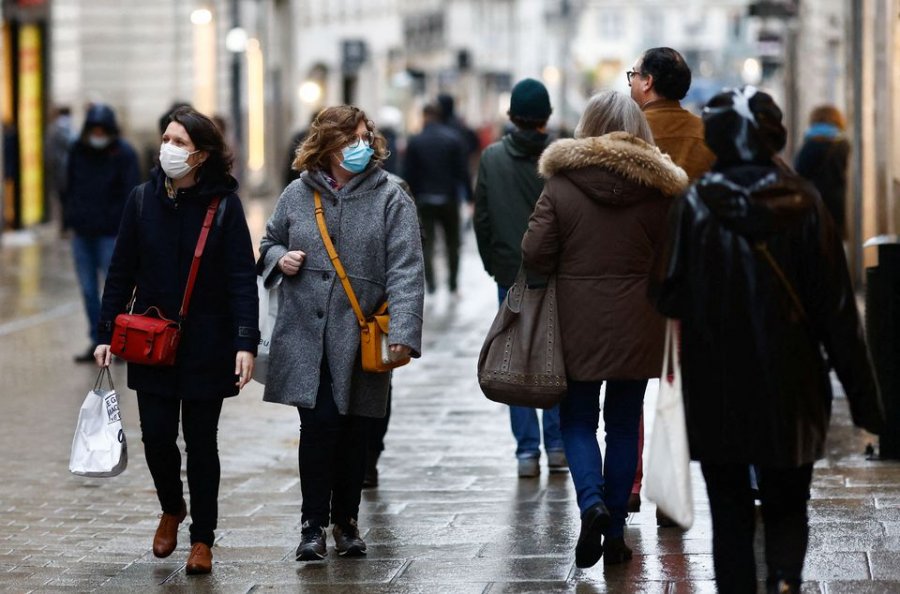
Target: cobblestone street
(450, 514)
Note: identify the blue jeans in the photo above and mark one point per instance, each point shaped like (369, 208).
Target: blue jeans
(579, 420)
(524, 421)
(92, 257)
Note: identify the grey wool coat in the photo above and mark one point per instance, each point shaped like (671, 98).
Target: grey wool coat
(375, 230)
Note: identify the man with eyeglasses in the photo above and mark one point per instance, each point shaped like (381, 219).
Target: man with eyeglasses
(659, 80)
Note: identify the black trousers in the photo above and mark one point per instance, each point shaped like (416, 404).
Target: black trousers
(784, 493)
(332, 459)
(378, 429)
(447, 216)
(159, 432)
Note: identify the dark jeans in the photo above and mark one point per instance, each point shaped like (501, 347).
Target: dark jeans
(783, 492)
(92, 256)
(579, 416)
(159, 432)
(332, 459)
(447, 216)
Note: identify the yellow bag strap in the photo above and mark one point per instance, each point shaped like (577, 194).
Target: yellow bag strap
(336, 261)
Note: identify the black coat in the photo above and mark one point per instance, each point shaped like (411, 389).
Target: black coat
(823, 161)
(507, 189)
(154, 251)
(436, 164)
(756, 386)
(99, 182)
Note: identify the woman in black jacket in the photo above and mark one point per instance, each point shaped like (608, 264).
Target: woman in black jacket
(755, 272)
(151, 261)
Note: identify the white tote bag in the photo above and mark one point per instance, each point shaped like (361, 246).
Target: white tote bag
(668, 478)
(99, 448)
(268, 314)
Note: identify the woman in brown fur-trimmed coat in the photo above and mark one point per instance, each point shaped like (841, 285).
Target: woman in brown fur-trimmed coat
(597, 226)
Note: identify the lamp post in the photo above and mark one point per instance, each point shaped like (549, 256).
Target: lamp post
(236, 43)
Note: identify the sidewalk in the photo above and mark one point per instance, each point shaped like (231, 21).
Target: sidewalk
(450, 514)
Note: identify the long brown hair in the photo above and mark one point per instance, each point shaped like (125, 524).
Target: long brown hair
(330, 132)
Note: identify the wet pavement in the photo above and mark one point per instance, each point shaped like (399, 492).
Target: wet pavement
(450, 514)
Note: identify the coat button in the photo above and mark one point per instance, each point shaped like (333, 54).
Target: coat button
(324, 276)
(320, 314)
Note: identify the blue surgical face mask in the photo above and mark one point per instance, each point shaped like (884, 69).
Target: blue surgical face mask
(356, 158)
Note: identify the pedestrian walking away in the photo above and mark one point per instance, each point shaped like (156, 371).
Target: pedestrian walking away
(506, 190)
(435, 168)
(754, 269)
(658, 81)
(314, 362)
(102, 171)
(150, 265)
(823, 160)
(597, 227)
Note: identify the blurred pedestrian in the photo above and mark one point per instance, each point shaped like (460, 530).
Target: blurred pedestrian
(58, 140)
(390, 124)
(755, 272)
(436, 171)
(823, 160)
(232, 145)
(506, 190)
(152, 259)
(290, 174)
(102, 171)
(597, 226)
(314, 363)
(659, 80)
(469, 137)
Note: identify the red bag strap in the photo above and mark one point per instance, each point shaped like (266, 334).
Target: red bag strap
(198, 254)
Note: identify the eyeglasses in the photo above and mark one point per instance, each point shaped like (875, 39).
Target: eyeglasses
(632, 73)
(368, 137)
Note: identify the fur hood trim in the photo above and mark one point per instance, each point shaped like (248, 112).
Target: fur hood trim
(621, 153)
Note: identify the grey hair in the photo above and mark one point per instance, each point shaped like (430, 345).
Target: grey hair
(611, 111)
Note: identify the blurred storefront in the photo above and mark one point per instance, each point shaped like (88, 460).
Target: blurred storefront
(22, 111)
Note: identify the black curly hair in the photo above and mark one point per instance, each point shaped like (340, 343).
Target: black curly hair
(671, 75)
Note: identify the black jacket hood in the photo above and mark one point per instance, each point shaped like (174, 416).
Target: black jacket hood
(101, 115)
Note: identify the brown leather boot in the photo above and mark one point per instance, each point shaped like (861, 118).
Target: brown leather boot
(200, 560)
(166, 538)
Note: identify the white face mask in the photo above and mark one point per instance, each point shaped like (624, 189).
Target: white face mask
(173, 160)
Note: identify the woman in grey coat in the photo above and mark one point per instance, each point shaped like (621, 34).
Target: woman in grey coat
(314, 360)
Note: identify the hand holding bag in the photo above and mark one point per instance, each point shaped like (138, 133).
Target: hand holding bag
(374, 347)
(668, 476)
(521, 361)
(150, 338)
(99, 448)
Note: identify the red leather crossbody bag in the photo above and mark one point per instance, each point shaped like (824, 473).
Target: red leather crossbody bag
(150, 338)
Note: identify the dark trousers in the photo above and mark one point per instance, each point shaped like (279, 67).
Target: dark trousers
(447, 216)
(784, 493)
(159, 432)
(332, 459)
(378, 429)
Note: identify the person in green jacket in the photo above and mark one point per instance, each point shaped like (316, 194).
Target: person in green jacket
(507, 189)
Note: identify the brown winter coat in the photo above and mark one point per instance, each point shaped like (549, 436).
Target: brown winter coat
(679, 133)
(598, 225)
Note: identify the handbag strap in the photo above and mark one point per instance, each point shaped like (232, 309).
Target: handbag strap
(198, 254)
(763, 249)
(336, 261)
